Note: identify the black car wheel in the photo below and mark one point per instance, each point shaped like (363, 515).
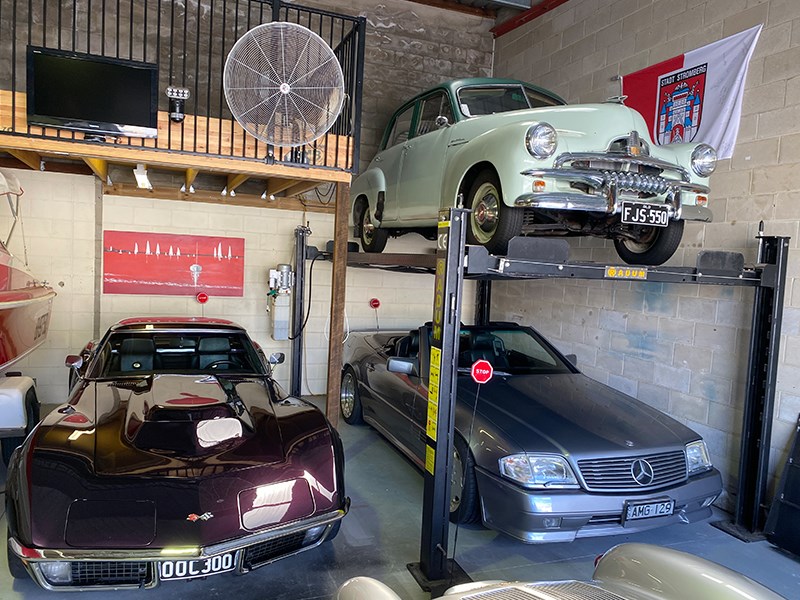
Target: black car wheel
(349, 399)
(373, 239)
(464, 501)
(31, 419)
(491, 223)
(653, 245)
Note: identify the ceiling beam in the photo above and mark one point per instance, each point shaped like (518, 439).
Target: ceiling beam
(189, 176)
(276, 186)
(299, 188)
(235, 180)
(99, 167)
(28, 157)
(457, 7)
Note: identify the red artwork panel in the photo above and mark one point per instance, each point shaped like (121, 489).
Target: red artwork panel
(161, 263)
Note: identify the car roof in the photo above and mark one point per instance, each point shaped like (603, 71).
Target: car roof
(455, 84)
(173, 322)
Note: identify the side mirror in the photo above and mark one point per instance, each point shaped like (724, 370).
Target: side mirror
(277, 358)
(572, 358)
(74, 361)
(442, 121)
(406, 366)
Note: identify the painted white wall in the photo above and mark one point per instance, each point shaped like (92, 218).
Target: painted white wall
(64, 217)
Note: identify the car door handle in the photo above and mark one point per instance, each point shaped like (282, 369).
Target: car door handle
(407, 147)
(378, 159)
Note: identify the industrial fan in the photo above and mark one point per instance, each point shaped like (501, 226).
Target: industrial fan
(283, 84)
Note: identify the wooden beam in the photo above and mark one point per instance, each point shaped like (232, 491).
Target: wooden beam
(121, 189)
(338, 296)
(234, 181)
(30, 158)
(179, 161)
(189, 177)
(99, 167)
(299, 188)
(276, 186)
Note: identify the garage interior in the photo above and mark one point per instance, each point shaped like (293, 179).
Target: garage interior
(683, 349)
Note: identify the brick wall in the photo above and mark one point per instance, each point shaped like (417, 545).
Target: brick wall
(680, 348)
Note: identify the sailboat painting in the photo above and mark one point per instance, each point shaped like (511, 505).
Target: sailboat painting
(136, 262)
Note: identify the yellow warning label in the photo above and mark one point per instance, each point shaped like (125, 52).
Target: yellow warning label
(433, 392)
(626, 273)
(430, 459)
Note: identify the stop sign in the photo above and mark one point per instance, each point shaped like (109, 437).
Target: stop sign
(482, 371)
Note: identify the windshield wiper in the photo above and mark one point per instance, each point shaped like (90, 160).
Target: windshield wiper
(235, 401)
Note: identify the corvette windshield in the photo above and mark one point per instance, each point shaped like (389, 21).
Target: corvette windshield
(132, 353)
(514, 351)
(476, 101)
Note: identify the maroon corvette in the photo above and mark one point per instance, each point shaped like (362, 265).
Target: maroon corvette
(176, 456)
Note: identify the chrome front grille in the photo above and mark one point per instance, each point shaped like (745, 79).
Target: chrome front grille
(637, 182)
(259, 554)
(616, 474)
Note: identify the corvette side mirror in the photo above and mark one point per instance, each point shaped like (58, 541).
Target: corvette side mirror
(277, 358)
(406, 366)
(73, 361)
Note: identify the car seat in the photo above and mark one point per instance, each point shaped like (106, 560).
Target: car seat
(136, 354)
(211, 350)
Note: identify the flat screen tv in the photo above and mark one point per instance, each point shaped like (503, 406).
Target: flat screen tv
(93, 94)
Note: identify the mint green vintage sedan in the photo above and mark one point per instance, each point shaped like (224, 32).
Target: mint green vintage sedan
(528, 164)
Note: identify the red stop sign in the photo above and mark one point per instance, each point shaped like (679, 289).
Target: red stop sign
(202, 297)
(482, 371)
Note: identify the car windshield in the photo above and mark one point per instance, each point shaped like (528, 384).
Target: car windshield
(129, 353)
(510, 350)
(487, 100)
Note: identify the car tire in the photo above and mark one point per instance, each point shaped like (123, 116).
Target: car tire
(464, 499)
(373, 239)
(349, 398)
(656, 245)
(31, 418)
(491, 223)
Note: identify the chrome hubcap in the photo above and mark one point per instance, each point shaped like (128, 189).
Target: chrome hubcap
(456, 482)
(485, 213)
(347, 396)
(367, 226)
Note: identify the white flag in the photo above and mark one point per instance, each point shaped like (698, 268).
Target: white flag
(697, 96)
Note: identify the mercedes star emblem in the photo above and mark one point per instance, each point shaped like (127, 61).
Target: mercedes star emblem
(642, 472)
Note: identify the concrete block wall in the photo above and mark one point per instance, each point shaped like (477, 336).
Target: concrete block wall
(680, 348)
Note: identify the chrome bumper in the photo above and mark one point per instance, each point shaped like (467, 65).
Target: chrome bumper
(31, 557)
(610, 194)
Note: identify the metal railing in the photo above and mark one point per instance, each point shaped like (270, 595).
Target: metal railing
(189, 42)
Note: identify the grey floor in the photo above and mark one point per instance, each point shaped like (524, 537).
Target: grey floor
(381, 535)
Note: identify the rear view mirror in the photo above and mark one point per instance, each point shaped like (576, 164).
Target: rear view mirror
(406, 366)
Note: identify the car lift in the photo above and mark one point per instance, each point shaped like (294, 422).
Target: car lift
(546, 258)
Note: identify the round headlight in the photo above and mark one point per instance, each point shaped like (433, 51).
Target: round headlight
(704, 160)
(541, 140)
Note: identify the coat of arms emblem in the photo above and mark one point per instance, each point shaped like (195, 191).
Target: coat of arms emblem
(680, 105)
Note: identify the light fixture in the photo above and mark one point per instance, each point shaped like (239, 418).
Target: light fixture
(270, 197)
(142, 182)
(177, 99)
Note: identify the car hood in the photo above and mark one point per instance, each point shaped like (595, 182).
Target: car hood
(571, 414)
(162, 424)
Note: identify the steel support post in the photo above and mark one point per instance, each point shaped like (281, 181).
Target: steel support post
(441, 396)
(301, 234)
(483, 302)
(761, 379)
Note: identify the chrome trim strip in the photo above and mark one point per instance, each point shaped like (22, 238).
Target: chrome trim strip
(624, 159)
(25, 302)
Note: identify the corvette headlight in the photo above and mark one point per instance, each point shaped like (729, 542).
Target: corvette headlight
(697, 457)
(541, 140)
(538, 470)
(704, 160)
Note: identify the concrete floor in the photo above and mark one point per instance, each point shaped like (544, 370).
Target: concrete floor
(381, 535)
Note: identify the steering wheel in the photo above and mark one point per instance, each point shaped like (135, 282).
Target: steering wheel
(213, 365)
